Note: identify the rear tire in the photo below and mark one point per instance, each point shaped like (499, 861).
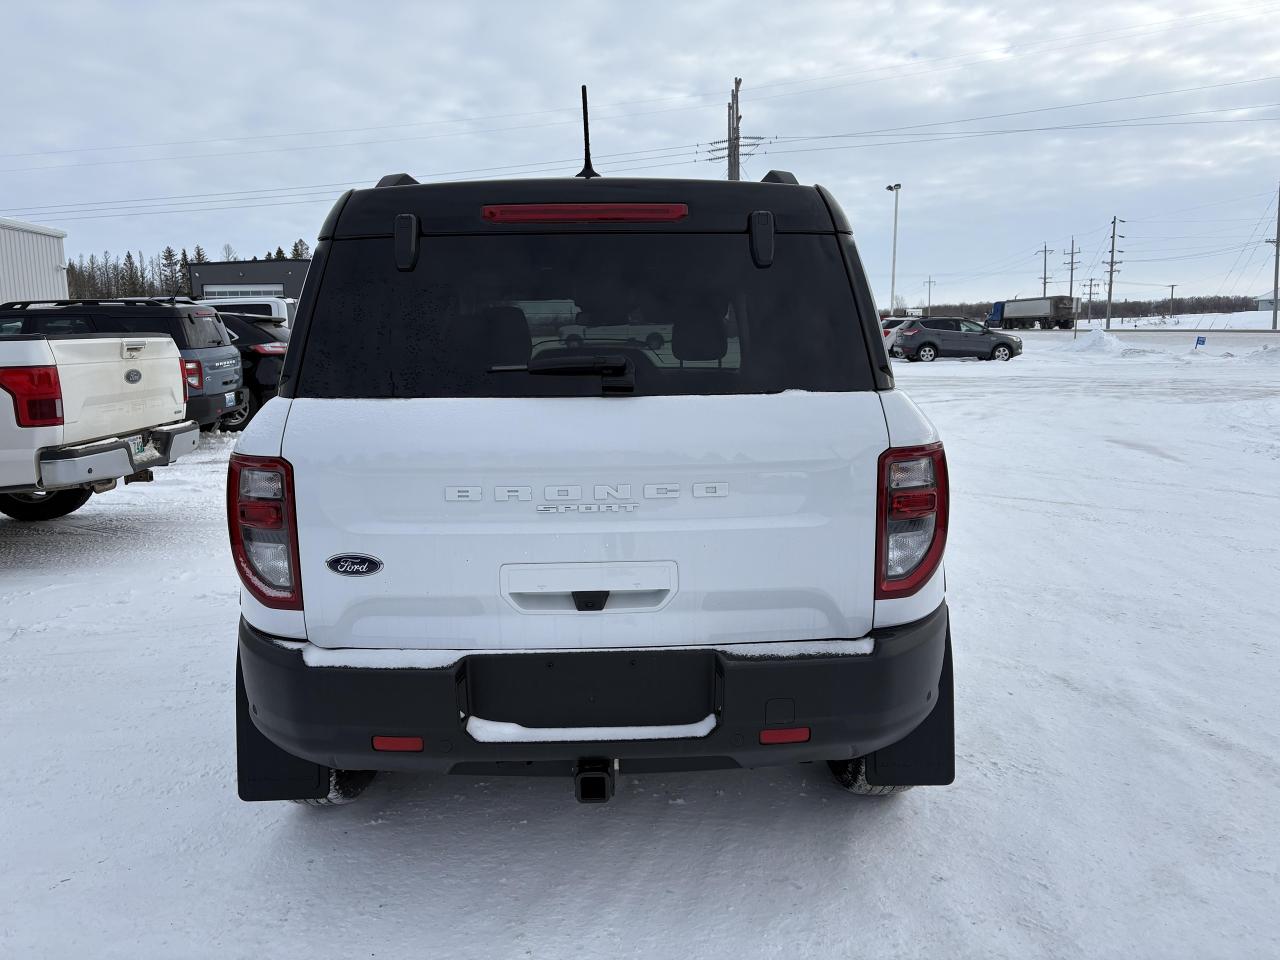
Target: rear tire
(344, 787)
(927, 353)
(240, 419)
(851, 774)
(43, 504)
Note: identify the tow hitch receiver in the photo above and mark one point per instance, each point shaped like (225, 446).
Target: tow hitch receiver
(593, 780)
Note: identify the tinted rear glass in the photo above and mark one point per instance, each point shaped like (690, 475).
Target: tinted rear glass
(188, 331)
(259, 309)
(691, 312)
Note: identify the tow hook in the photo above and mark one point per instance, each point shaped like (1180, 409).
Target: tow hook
(593, 780)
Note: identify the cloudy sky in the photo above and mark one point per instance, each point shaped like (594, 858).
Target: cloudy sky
(135, 125)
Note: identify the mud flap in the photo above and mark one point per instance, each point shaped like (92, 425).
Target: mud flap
(264, 771)
(927, 755)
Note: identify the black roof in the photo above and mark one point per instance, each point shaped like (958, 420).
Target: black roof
(715, 206)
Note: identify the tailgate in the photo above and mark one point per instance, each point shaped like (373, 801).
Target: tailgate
(502, 523)
(116, 386)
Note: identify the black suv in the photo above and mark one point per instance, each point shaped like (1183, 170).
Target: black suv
(928, 338)
(209, 361)
(262, 342)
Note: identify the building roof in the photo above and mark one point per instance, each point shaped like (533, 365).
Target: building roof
(25, 227)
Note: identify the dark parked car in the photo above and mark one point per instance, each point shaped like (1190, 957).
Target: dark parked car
(262, 342)
(210, 364)
(927, 338)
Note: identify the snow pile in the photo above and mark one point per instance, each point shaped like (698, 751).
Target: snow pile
(1270, 354)
(1095, 341)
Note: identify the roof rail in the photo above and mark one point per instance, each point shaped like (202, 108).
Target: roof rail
(396, 180)
(98, 301)
(780, 176)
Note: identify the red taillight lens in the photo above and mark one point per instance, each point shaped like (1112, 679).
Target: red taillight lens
(911, 521)
(193, 371)
(784, 735)
(182, 373)
(398, 744)
(264, 531)
(584, 212)
(269, 348)
(37, 395)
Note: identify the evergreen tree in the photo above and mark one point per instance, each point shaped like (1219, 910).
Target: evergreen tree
(131, 280)
(184, 274)
(300, 250)
(198, 256)
(255, 258)
(279, 253)
(169, 278)
(145, 286)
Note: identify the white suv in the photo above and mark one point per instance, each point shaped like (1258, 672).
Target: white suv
(466, 549)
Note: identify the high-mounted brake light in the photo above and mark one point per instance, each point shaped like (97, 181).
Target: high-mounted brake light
(269, 348)
(36, 393)
(911, 518)
(584, 212)
(264, 529)
(193, 371)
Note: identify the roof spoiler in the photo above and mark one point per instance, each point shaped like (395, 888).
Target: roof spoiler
(397, 180)
(780, 176)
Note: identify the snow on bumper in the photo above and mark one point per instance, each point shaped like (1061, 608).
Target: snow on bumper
(852, 705)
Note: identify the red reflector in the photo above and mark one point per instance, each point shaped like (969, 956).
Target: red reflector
(398, 744)
(584, 212)
(785, 735)
(907, 506)
(260, 513)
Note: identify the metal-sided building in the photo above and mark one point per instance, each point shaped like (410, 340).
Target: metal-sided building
(248, 278)
(32, 263)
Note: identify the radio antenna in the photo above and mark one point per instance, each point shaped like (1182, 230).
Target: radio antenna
(587, 170)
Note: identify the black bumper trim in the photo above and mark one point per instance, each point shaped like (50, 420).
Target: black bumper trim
(853, 706)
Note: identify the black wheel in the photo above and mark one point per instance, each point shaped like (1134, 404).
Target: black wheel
(240, 418)
(344, 787)
(43, 504)
(927, 353)
(655, 341)
(1001, 352)
(897, 353)
(851, 774)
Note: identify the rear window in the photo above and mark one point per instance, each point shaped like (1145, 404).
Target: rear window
(188, 331)
(691, 312)
(257, 309)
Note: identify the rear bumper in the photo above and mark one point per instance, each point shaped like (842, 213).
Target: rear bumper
(852, 705)
(113, 459)
(208, 409)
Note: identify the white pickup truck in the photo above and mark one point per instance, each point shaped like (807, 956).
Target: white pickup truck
(80, 412)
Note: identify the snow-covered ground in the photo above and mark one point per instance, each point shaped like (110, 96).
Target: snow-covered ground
(1113, 574)
(1243, 320)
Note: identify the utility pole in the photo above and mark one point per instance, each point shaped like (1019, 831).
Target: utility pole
(1044, 274)
(894, 188)
(1171, 286)
(1111, 266)
(928, 309)
(735, 133)
(1275, 278)
(1071, 262)
(1092, 284)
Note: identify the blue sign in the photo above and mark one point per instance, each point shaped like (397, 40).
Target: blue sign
(1199, 342)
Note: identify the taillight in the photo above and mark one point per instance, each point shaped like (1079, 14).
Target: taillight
(911, 521)
(269, 348)
(193, 373)
(584, 212)
(37, 395)
(182, 374)
(264, 529)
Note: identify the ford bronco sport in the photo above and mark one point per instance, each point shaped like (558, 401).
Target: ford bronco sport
(470, 546)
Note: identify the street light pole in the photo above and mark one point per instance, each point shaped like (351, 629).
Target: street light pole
(893, 266)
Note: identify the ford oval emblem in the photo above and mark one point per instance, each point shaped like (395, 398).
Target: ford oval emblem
(133, 375)
(354, 565)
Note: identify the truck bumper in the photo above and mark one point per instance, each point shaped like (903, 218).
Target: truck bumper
(113, 459)
(703, 709)
(208, 409)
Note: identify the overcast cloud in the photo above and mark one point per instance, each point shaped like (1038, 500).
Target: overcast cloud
(296, 100)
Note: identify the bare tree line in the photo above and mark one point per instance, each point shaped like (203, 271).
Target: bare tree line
(164, 274)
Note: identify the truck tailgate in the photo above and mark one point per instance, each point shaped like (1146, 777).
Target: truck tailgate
(117, 385)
